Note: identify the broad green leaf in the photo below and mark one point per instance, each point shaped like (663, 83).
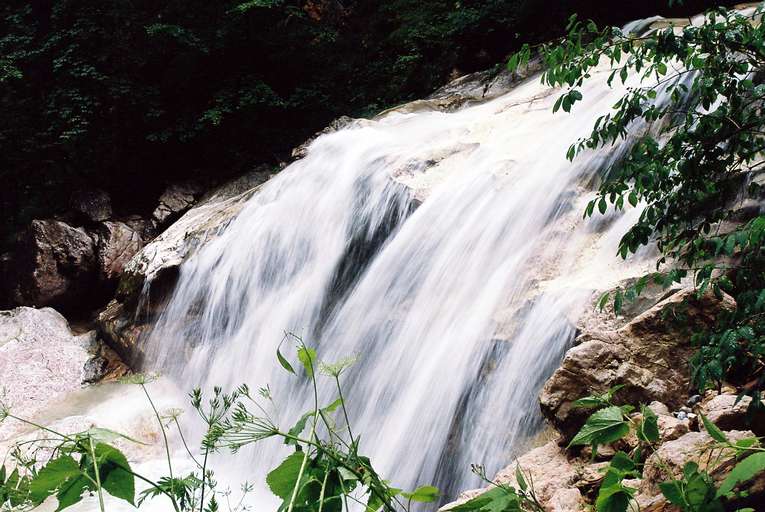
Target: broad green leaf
(424, 494)
(71, 491)
(497, 499)
(116, 476)
(105, 435)
(713, 431)
(307, 357)
(283, 479)
(615, 498)
(673, 491)
(603, 427)
(743, 471)
(52, 477)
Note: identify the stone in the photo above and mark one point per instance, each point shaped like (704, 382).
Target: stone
(117, 244)
(174, 201)
(729, 413)
(693, 446)
(553, 475)
(54, 264)
(648, 356)
(94, 205)
(40, 361)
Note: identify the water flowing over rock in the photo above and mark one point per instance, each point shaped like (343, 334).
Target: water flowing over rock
(648, 356)
(447, 249)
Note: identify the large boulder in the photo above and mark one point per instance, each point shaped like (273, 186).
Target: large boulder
(41, 359)
(53, 265)
(648, 356)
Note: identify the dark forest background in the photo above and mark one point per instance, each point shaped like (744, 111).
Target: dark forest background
(129, 95)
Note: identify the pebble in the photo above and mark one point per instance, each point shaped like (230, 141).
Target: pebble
(693, 400)
(686, 410)
(681, 415)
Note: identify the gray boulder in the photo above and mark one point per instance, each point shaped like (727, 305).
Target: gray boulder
(53, 264)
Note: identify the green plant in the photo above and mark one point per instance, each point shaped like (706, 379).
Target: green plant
(693, 114)
(503, 497)
(694, 491)
(325, 472)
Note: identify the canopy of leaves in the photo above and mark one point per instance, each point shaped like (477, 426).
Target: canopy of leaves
(128, 94)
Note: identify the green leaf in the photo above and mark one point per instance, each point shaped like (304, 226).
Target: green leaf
(307, 357)
(603, 427)
(615, 498)
(673, 491)
(520, 478)
(424, 494)
(345, 474)
(116, 476)
(282, 361)
(283, 479)
(52, 477)
(497, 499)
(104, 435)
(648, 430)
(743, 471)
(71, 491)
(713, 431)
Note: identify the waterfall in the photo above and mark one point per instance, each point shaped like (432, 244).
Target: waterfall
(445, 251)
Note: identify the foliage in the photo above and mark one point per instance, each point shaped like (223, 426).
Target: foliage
(128, 95)
(696, 94)
(323, 473)
(694, 491)
(503, 497)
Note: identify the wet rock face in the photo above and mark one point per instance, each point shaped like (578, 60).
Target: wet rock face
(53, 264)
(648, 356)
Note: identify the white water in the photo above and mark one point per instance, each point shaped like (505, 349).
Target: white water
(457, 312)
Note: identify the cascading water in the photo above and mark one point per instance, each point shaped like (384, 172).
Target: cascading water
(457, 309)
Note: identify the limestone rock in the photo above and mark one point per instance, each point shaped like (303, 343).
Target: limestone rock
(649, 356)
(40, 360)
(673, 455)
(95, 205)
(199, 223)
(54, 264)
(175, 200)
(729, 413)
(117, 244)
(553, 476)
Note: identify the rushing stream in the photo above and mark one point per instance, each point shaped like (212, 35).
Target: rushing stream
(445, 251)
(457, 309)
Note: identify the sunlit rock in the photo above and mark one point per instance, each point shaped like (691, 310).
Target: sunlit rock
(648, 356)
